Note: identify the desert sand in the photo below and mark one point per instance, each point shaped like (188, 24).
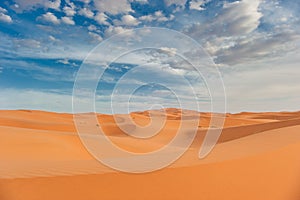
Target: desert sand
(255, 158)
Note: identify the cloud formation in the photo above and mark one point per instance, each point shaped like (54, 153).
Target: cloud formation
(21, 6)
(4, 17)
(48, 18)
(68, 20)
(127, 20)
(86, 12)
(197, 4)
(113, 7)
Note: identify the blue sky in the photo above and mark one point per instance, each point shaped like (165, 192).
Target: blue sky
(254, 44)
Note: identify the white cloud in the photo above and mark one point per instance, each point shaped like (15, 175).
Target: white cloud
(111, 30)
(148, 18)
(49, 18)
(22, 5)
(3, 10)
(52, 4)
(5, 18)
(180, 3)
(92, 28)
(69, 11)
(254, 47)
(85, 1)
(52, 38)
(240, 17)
(142, 1)
(27, 43)
(258, 47)
(66, 61)
(167, 50)
(101, 18)
(113, 7)
(197, 4)
(235, 19)
(157, 16)
(230, 36)
(68, 20)
(127, 20)
(95, 37)
(86, 12)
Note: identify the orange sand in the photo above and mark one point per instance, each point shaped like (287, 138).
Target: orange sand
(257, 157)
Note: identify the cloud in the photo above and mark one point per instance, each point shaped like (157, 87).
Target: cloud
(272, 37)
(95, 37)
(84, 1)
(235, 19)
(92, 28)
(198, 4)
(254, 47)
(52, 4)
(52, 38)
(233, 35)
(64, 61)
(169, 51)
(86, 12)
(3, 10)
(21, 5)
(127, 20)
(68, 20)
(180, 3)
(49, 18)
(5, 18)
(111, 30)
(157, 16)
(67, 62)
(101, 18)
(142, 1)
(113, 7)
(27, 43)
(69, 11)
(240, 17)
(258, 47)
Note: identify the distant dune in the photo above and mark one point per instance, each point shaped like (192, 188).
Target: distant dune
(257, 157)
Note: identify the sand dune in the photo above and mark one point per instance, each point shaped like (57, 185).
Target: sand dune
(256, 157)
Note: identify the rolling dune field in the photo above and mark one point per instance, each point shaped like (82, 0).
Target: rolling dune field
(255, 158)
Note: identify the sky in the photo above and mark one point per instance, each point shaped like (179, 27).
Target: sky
(253, 44)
